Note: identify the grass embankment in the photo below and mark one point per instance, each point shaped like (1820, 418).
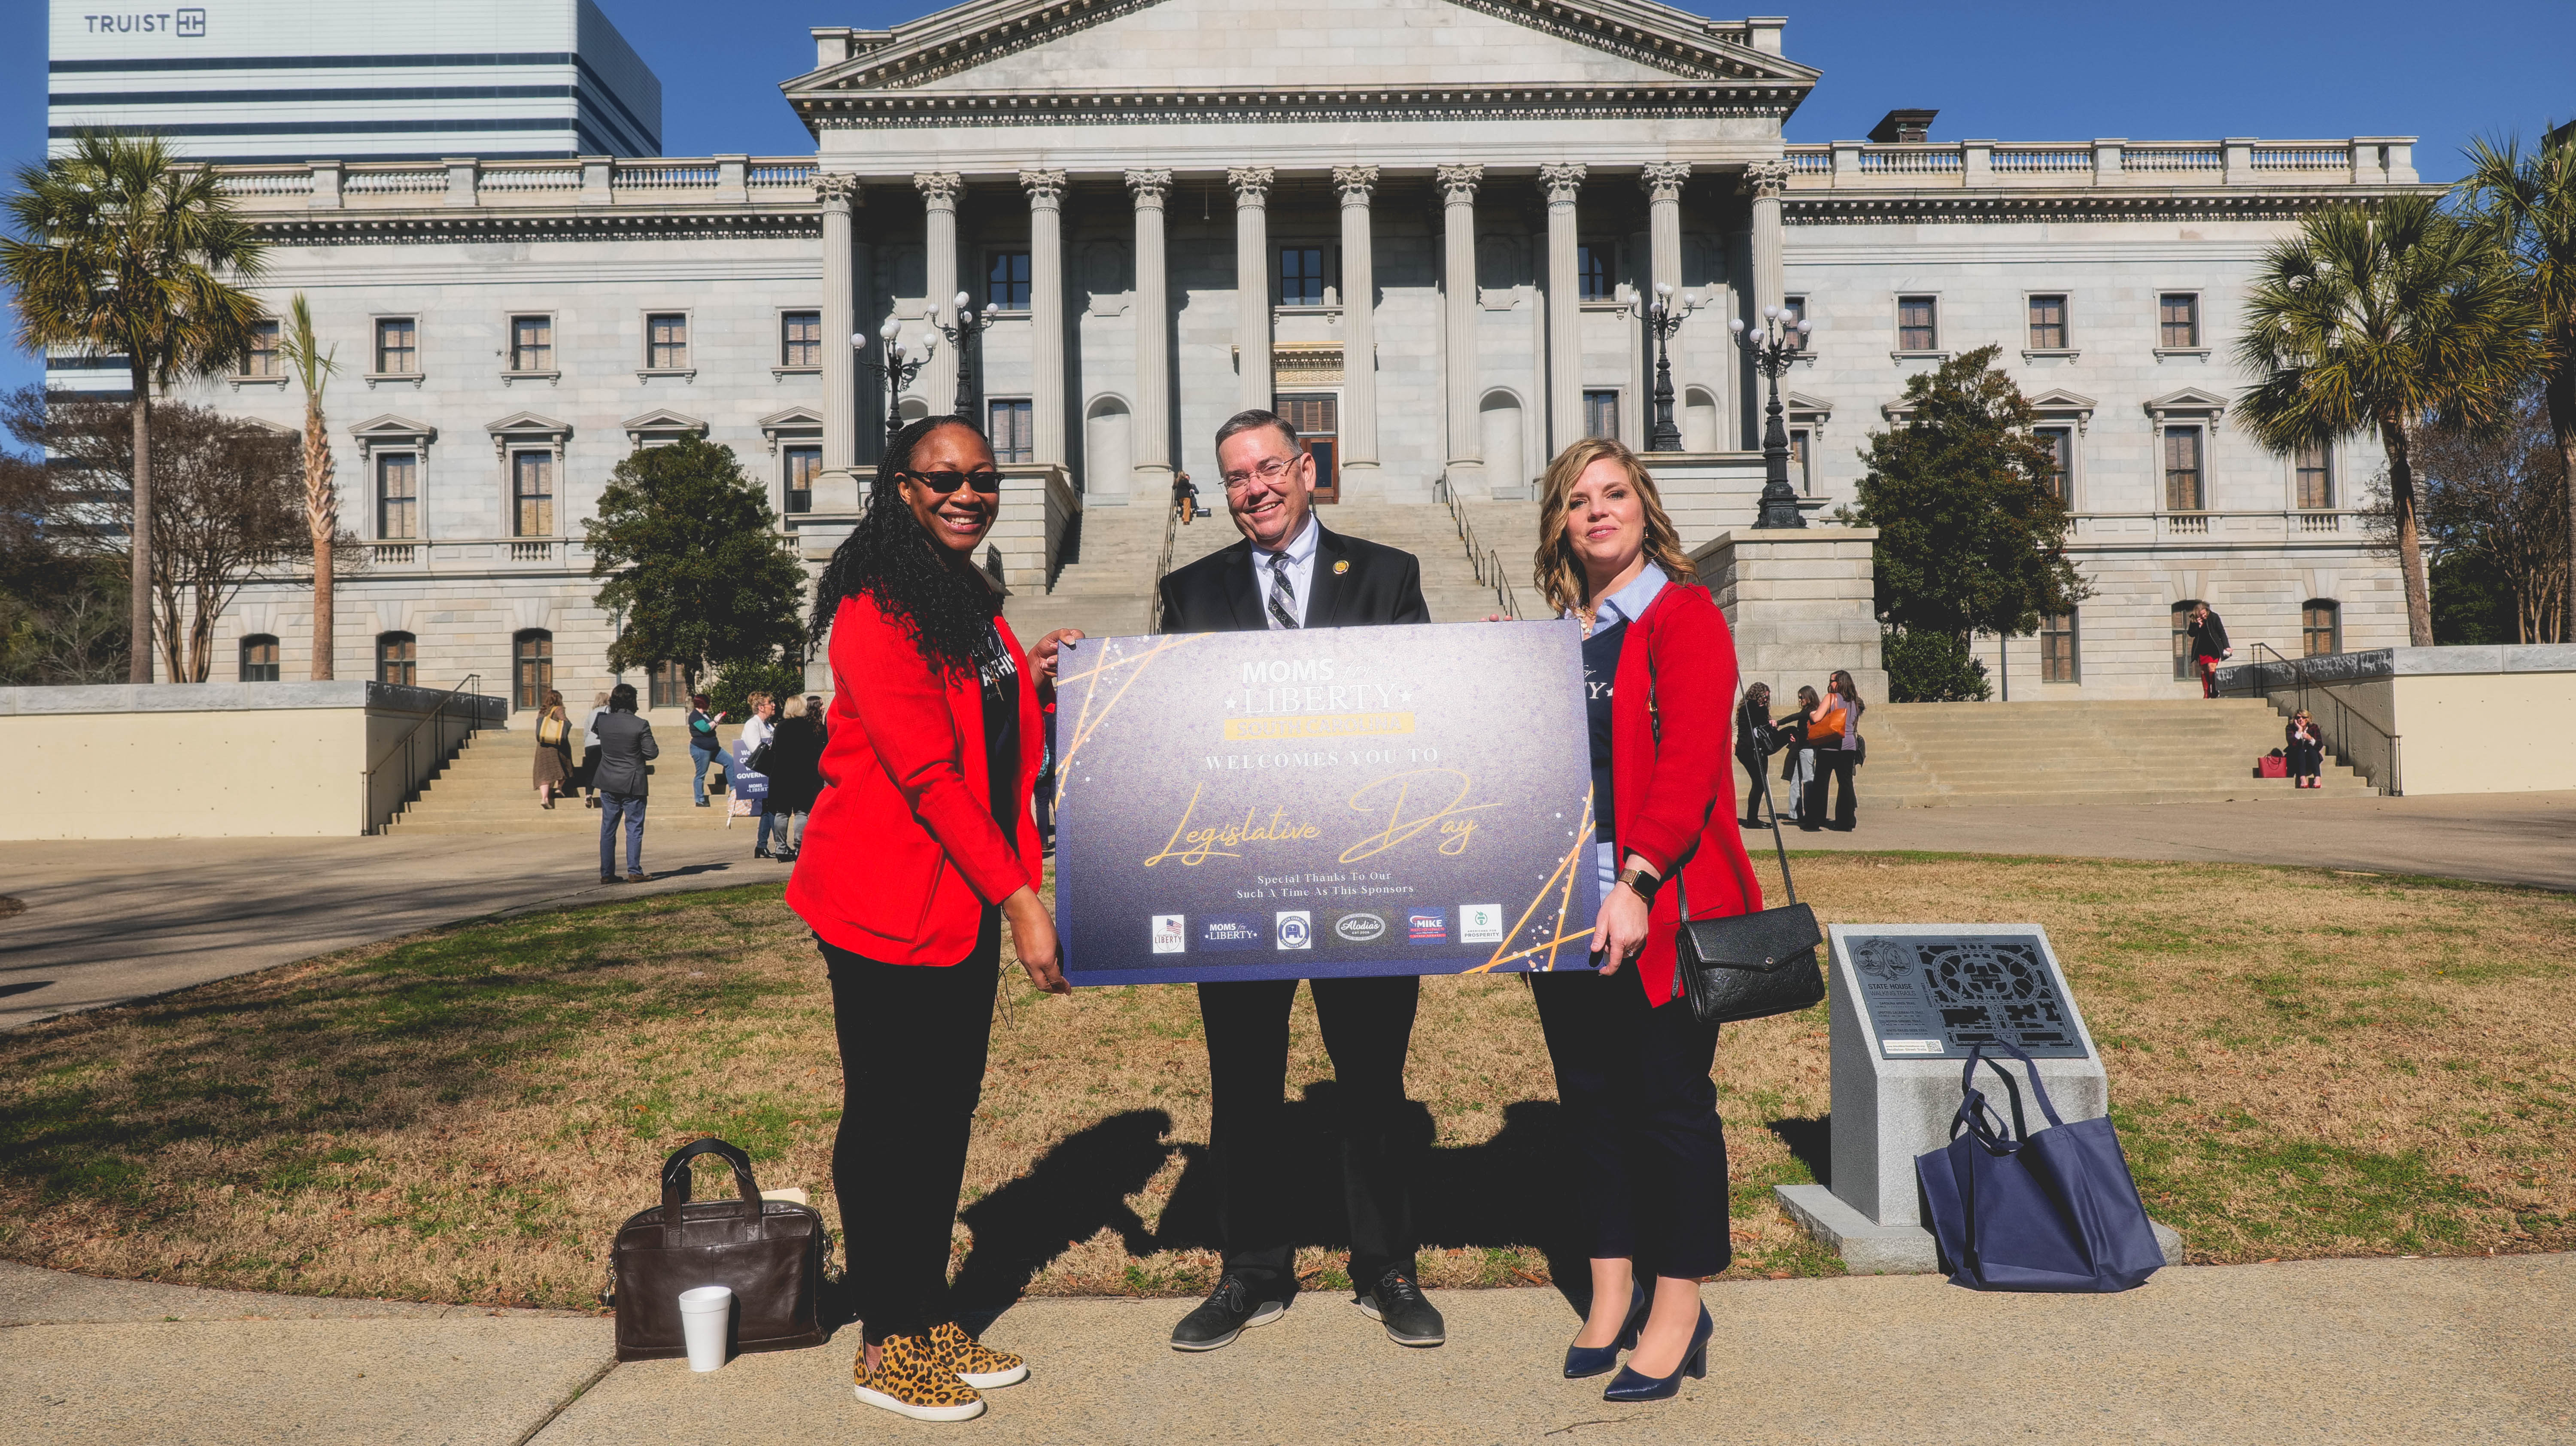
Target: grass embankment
(2303, 1064)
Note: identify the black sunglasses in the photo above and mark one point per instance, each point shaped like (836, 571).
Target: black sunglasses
(944, 483)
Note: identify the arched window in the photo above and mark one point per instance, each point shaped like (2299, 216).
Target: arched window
(398, 659)
(259, 659)
(2321, 627)
(2185, 668)
(535, 660)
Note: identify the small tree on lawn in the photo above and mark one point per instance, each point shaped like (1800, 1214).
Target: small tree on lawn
(313, 367)
(694, 563)
(1971, 532)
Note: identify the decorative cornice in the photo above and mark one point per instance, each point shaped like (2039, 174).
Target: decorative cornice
(1045, 188)
(382, 228)
(1662, 180)
(1458, 184)
(1251, 184)
(1823, 208)
(1149, 188)
(837, 190)
(1764, 180)
(1355, 183)
(1561, 182)
(1655, 100)
(1624, 31)
(938, 188)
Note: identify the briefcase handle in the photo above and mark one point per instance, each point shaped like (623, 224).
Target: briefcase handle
(675, 1185)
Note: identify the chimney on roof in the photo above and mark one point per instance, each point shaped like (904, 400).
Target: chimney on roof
(1904, 126)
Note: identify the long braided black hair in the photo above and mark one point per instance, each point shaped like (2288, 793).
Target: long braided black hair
(945, 609)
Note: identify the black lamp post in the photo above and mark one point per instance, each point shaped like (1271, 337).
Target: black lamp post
(966, 328)
(1771, 344)
(1663, 317)
(897, 369)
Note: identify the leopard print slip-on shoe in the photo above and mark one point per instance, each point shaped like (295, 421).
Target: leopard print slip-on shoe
(912, 1379)
(974, 1362)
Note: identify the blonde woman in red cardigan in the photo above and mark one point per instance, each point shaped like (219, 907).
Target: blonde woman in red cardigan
(1632, 1063)
(919, 850)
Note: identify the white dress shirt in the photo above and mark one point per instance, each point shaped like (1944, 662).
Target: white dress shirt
(1300, 553)
(756, 730)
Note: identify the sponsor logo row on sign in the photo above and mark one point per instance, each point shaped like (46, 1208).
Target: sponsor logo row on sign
(1300, 929)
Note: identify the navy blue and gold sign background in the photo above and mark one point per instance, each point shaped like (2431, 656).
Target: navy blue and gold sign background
(1288, 805)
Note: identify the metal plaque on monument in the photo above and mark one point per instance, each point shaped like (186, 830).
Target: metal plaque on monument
(1908, 1003)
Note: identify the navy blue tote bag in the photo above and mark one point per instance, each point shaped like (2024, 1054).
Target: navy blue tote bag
(2050, 1210)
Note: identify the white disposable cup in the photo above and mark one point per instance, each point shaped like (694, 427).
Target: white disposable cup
(705, 1315)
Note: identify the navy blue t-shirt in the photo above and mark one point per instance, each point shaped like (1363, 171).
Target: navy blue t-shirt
(1600, 668)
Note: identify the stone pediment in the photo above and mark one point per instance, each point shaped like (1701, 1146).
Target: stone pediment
(2189, 402)
(661, 426)
(1270, 46)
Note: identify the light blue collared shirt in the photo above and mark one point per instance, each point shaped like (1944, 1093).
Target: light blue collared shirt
(1624, 606)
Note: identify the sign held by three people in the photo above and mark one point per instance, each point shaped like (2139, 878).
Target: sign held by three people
(1335, 801)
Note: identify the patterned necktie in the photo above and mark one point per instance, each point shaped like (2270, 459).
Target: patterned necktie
(1283, 593)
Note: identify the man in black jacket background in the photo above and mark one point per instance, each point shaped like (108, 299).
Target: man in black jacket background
(1289, 573)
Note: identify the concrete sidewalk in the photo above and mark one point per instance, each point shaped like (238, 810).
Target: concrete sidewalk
(2338, 1353)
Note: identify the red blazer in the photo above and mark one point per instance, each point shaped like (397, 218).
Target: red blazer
(1676, 793)
(902, 856)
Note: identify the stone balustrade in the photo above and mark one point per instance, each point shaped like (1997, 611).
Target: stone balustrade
(588, 181)
(2236, 161)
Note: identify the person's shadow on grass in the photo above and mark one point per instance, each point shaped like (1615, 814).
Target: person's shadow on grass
(1073, 1192)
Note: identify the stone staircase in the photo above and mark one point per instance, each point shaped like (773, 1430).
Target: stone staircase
(1947, 755)
(486, 789)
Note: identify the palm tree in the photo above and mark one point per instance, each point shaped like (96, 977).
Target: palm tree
(314, 366)
(2379, 320)
(2527, 205)
(120, 251)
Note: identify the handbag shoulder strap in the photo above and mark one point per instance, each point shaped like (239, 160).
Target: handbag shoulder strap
(1777, 841)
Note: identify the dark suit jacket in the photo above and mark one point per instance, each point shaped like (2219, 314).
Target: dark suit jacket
(1219, 594)
(625, 746)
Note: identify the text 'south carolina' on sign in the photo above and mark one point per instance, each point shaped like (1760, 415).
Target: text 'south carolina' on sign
(1400, 800)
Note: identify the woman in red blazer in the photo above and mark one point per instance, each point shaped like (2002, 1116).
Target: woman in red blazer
(1632, 1063)
(921, 846)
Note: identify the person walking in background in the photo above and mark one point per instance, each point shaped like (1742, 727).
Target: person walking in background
(795, 777)
(1838, 756)
(751, 755)
(1798, 770)
(2304, 746)
(1754, 742)
(1632, 1061)
(761, 717)
(554, 750)
(625, 746)
(705, 748)
(586, 774)
(923, 849)
(1824, 717)
(1185, 497)
(2208, 646)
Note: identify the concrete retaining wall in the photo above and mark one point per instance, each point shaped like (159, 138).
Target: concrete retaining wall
(2460, 720)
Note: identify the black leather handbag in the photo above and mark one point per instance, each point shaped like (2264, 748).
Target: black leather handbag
(1750, 965)
(770, 1252)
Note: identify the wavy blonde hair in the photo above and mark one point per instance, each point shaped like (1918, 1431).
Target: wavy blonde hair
(1556, 569)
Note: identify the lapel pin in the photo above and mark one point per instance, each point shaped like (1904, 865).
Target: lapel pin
(1341, 567)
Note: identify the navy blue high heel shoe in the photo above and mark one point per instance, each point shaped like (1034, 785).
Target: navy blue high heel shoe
(1630, 1386)
(1583, 1361)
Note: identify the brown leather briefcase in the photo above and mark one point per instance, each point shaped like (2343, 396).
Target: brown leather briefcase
(770, 1252)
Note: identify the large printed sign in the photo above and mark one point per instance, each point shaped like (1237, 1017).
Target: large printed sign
(1289, 805)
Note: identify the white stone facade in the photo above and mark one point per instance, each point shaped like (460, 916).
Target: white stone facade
(1452, 163)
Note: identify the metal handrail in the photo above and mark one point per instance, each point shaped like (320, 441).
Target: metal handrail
(1163, 563)
(2345, 710)
(1485, 562)
(402, 745)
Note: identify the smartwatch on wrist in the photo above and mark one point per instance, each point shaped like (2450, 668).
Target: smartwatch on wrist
(1642, 881)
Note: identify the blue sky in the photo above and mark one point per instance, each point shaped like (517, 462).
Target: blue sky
(2180, 70)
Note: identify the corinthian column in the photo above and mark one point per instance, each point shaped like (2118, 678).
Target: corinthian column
(1251, 285)
(840, 320)
(939, 190)
(1764, 181)
(1564, 314)
(1663, 185)
(1359, 324)
(1458, 285)
(1153, 431)
(1046, 314)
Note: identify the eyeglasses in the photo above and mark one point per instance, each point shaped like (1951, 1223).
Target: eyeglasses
(944, 483)
(1270, 469)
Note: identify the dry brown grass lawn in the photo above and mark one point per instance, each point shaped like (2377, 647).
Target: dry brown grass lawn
(2303, 1063)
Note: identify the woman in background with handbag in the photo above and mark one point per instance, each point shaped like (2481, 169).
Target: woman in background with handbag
(1632, 1059)
(922, 847)
(554, 750)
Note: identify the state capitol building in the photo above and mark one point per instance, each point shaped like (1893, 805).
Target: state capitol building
(1418, 228)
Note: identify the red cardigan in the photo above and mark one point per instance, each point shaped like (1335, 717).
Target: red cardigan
(902, 856)
(1675, 795)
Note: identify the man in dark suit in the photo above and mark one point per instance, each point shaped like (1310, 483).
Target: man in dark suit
(1288, 573)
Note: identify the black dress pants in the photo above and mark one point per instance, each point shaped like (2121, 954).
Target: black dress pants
(1832, 765)
(1649, 1153)
(913, 1039)
(1367, 1024)
(1752, 762)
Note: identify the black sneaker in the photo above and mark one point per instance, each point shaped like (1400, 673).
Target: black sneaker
(1228, 1312)
(1408, 1315)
